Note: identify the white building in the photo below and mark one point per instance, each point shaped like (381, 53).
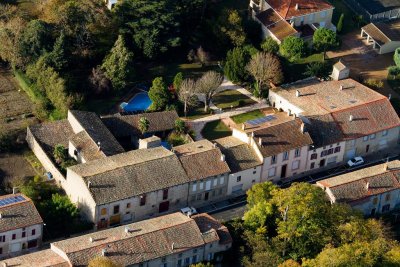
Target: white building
(373, 190)
(21, 226)
(384, 37)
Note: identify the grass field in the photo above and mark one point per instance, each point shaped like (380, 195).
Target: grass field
(231, 99)
(215, 129)
(255, 114)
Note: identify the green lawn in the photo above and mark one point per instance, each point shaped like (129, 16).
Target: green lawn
(317, 57)
(231, 99)
(348, 23)
(294, 71)
(215, 129)
(255, 114)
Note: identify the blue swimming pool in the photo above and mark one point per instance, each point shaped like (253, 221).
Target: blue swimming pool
(140, 102)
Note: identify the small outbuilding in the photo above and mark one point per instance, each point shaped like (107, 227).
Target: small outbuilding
(340, 71)
(384, 37)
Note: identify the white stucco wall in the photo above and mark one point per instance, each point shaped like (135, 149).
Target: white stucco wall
(248, 178)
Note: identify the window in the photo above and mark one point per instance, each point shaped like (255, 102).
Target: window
(312, 166)
(323, 14)
(187, 261)
(14, 236)
(373, 211)
(271, 172)
(372, 136)
(32, 243)
(220, 191)
(116, 209)
(273, 159)
(23, 234)
(128, 205)
(285, 155)
(387, 198)
(215, 181)
(385, 132)
(253, 181)
(222, 180)
(201, 185)
(33, 231)
(365, 138)
(297, 152)
(2, 238)
(164, 259)
(194, 187)
(295, 164)
(386, 208)
(193, 198)
(323, 153)
(375, 201)
(330, 151)
(314, 156)
(142, 200)
(194, 259)
(198, 196)
(254, 172)
(238, 179)
(195, 251)
(1, 250)
(180, 255)
(337, 149)
(103, 211)
(165, 194)
(179, 263)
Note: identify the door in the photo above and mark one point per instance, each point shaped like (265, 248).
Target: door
(322, 163)
(367, 149)
(206, 195)
(283, 171)
(164, 206)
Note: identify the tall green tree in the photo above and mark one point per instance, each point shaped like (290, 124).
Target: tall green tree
(153, 26)
(339, 26)
(293, 48)
(324, 39)
(178, 79)
(269, 45)
(35, 40)
(235, 64)
(117, 65)
(159, 94)
(58, 58)
(396, 57)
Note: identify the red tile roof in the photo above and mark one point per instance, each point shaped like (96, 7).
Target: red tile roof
(287, 8)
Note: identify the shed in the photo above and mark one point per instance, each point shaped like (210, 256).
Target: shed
(340, 71)
(384, 37)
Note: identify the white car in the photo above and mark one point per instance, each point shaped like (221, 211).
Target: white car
(189, 211)
(355, 162)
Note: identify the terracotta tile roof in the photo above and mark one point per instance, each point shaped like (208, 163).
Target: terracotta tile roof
(383, 33)
(207, 223)
(128, 124)
(201, 161)
(279, 27)
(84, 143)
(19, 214)
(282, 137)
(146, 240)
(131, 174)
(287, 8)
(358, 185)
(52, 133)
(43, 258)
(239, 155)
(97, 132)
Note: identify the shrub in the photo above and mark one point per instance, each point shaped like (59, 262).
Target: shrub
(374, 83)
(393, 72)
(293, 48)
(269, 45)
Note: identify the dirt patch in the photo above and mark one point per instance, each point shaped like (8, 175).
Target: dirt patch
(15, 106)
(13, 168)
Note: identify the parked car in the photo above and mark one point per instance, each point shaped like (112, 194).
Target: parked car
(189, 211)
(355, 162)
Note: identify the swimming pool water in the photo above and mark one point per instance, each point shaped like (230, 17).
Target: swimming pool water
(140, 102)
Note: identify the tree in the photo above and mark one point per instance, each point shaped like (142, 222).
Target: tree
(325, 39)
(178, 79)
(232, 27)
(235, 64)
(259, 193)
(201, 264)
(269, 45)
(187, 94)
(180, 126)
(202, 56)
(143, 125)
(34, 40)
(117, 65)
(293, 48)
(159, 94)
(208, 85)
(57, 58)
(289, 263)
(100, 84)
(60, 153)
(339, 26)
(265, 68)
(396, 57)
(102, 262)
(152, 26)
(318, 69)
(10, 35)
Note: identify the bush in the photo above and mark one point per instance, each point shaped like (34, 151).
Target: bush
(396, 57)
(176, 139)
(293, 48)
(393, 72)
(269, 45)
(235, 65)
(374, 83)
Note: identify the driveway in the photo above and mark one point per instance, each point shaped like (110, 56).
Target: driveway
(364, 62)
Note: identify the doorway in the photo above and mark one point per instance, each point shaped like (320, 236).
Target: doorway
(367, 149)
(206, 195)
(322, 163)
(164, 206)
(283, 171)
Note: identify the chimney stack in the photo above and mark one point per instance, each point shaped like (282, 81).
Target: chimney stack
(260, 141)
(297, 7)
(99, 145)
(341, 87)
(173, 246)
(215, 145)
(127, 230)
(243, 127)
(289, 112)
(390, 96)
(351, 118)
(91, 239)
(222, 157)
(302, 127)
(252, 134)
(297, 93)
(89, 183)
(367, 186)
(103, 252)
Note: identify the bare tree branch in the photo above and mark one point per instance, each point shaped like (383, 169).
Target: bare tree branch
(208, 85)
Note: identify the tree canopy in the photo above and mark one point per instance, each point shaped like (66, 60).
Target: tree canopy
(293, 48)
(235, 64)
(324, 39)
(159, 94)
(269, 45)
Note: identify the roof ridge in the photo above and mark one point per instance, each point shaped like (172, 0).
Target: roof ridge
(381, 30)
(362, 178)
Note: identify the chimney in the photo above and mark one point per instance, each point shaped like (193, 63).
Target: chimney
(173, 246)
(5, 264)
(367, 186)
(297, 7)
(351, 118)
(252, 134)
(289, 112)
(1, 215)
(302, 127)
(390, 96)
(127, 230)
(243, 127)
(260, 141)
(91, 239)
(297, 93)
(341, 87)
(222, 157)
(103, 252)
(89, 183)
(294, 116)
(215, 145)
(99, 145)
